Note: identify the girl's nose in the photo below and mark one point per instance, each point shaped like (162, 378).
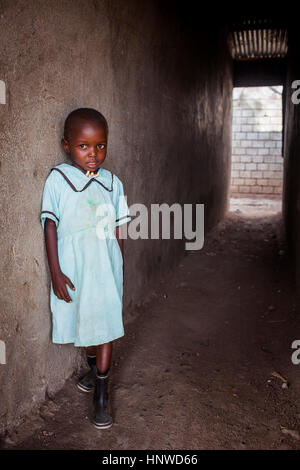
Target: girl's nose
(92, 152)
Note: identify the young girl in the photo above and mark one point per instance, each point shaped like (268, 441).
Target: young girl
(85, 258)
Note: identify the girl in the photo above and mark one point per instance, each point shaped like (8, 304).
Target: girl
(85, 253)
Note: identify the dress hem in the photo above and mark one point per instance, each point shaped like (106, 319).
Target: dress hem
(90, 343)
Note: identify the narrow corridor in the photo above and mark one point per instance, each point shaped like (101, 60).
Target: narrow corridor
(194, 370)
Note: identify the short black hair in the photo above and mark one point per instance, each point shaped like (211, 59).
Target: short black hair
(85, 114)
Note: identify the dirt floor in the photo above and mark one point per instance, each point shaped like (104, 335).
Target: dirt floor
(194, 370)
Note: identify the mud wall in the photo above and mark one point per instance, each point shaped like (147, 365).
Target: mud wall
(165, 89)
(291, 143)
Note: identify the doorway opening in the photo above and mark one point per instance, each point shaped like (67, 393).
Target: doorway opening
(257, 163)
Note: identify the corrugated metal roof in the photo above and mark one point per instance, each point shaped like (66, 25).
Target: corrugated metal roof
(258, 39)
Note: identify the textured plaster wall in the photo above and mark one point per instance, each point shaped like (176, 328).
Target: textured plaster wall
(166, 92)
(291, 183)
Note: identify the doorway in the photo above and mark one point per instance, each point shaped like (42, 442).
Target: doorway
(257, 163)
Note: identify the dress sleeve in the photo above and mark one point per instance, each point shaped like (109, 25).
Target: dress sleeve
(122, 210)
(50, 206)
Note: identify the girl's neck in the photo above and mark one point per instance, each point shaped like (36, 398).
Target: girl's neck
(82, 169)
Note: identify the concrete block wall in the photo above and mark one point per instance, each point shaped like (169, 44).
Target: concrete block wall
(257, 164)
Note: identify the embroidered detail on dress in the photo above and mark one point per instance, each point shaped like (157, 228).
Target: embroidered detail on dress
(91, 174)
(49, 212)
(87, 184)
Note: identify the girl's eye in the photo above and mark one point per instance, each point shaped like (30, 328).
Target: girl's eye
(101, 146)
(82, 146)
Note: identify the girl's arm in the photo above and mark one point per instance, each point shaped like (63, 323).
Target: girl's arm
(59, 279)
(121, 245)
(120, 240)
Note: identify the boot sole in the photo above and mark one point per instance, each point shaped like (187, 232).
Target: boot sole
(103, 426)
(86, 390)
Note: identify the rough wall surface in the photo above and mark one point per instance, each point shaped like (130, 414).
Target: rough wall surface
(167, 96)
(291, 186)
(257, 164)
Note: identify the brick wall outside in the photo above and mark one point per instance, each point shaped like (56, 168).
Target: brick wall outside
(257, 164)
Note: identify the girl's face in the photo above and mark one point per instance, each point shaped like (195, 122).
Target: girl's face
(86, 145)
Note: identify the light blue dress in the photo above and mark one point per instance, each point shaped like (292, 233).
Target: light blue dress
(86, 210)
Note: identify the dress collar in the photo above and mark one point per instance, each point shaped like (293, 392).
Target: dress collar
(79, 181)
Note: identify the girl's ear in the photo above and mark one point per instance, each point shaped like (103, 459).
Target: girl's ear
(65, 145)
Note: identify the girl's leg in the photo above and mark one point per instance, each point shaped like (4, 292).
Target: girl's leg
(102, 415)
(91, 350)
(86, 383)
(104, 353)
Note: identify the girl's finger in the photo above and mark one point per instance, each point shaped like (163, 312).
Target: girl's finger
(67, 298)
(69, 283)
(60, 295)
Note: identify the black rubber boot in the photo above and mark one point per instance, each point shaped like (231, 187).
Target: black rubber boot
(102, 418)
(87, 382)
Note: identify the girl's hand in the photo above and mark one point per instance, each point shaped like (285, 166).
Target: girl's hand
(59, 281)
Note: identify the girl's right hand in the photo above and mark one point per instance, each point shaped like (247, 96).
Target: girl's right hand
(59, 281)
